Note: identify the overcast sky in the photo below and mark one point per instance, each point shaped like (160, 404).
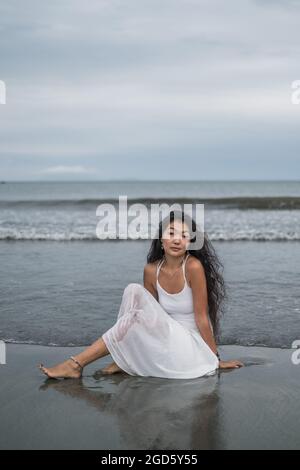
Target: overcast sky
(149, 89)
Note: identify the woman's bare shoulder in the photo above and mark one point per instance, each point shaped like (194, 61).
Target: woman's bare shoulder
(193, 262)
(150, 268)
(150, 271)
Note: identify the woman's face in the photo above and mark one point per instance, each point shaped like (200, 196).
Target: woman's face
(175, 238)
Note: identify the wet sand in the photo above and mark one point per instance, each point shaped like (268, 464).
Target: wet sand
(255, 407)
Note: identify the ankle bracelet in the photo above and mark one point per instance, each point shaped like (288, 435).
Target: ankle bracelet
(75, 360)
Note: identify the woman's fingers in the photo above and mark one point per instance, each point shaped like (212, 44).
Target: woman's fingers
(238, 363)
(230, 364)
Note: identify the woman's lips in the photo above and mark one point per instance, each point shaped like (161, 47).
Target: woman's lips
(176, 249)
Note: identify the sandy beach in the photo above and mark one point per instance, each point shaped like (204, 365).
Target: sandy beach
(255, 407)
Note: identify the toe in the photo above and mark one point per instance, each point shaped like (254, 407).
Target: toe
(43, 369)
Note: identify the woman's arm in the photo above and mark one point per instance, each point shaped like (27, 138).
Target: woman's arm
(200, 300)
(149, 276)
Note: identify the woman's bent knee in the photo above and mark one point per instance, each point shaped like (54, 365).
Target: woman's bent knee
(133, 286)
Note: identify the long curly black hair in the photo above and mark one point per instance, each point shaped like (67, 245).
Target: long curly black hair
(216, 288)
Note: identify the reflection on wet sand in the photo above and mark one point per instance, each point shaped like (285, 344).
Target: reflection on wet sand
(255, 407)
(152, 413)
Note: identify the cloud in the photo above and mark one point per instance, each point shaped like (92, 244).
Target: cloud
(96, 85)
(66, 170)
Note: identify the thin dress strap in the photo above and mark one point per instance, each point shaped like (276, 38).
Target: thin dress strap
(183, 266)
(158, 267)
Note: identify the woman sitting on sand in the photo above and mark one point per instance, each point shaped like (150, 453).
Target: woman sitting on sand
(167, 327)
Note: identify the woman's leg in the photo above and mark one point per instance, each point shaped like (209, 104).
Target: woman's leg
(69, 368)
(89, 353)
(95, 351)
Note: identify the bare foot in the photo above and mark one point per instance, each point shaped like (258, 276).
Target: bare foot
(65, 370)
(111, 369)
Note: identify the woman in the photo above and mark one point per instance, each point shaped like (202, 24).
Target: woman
(166, 328)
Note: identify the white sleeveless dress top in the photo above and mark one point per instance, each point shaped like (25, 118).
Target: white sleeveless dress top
(179, 305)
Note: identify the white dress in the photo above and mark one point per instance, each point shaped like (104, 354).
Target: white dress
(159, 338)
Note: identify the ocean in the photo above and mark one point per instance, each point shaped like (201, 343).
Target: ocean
(60, 285)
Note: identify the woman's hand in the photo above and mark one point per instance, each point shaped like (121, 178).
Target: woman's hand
(230, 364)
